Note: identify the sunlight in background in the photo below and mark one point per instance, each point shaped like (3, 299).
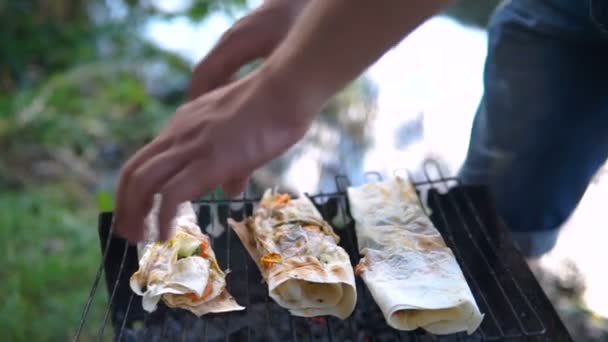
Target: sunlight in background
(191, 40)
(582, 242)
(436, 71)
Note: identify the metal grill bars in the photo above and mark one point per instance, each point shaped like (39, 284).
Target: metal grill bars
(508, 310)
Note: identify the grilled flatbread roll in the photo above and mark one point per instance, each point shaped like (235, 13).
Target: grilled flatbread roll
(298, 255)
(412, 275)
(183, 271)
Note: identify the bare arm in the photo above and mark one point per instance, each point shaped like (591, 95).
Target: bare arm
(333, 41)
(224, 134)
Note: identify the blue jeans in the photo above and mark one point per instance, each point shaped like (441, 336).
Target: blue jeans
(541, 129)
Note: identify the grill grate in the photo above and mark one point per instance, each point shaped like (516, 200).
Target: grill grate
(505, 289)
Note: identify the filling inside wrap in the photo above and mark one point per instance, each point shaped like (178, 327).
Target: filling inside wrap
(183, 271)
(298, 255)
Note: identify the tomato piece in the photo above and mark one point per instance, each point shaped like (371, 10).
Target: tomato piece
(269, 259)
(203, 296)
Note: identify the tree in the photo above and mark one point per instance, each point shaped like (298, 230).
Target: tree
(79, 91)
(76, 76)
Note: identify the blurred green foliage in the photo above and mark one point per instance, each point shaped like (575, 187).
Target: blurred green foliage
(77, 77)
(50, 252)
(80, 90)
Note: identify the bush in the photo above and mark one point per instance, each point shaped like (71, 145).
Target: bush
(50, 254)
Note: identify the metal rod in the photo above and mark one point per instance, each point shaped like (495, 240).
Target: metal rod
(500, 285)
(343, 209)
(228, 252)
(374, 174)
(100, 269)
(267, 325)
(483, 256)
(329, 329)
(189, 324)
(463, 265)
(325, 215)
(212, 217)
(246, 254)
(484, 231)
(204, 330)
(440, 181)
(342, 183)
(228, 236)
(350, 232)
(266, 306)
(396, 335)
(309, 330)
(115, 287)
(349, 323)
(293, 328)
(124, 320)
(163, 329)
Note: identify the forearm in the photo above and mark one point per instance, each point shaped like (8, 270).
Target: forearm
(334, 41)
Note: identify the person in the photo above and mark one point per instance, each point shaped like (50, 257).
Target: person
(536, 139)
(311, 50)
(541, 130)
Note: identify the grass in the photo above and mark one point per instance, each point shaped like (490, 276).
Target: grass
(50, 253)
(49, 256)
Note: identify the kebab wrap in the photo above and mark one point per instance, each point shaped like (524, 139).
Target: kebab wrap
(412, 275)
(298, 256)
(182, 271)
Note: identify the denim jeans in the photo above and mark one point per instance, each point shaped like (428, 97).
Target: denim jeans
(541, 129)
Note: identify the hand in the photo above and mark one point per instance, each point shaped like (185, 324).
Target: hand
(223, 135)
(185, 161)
(219, 138)
(254, 36)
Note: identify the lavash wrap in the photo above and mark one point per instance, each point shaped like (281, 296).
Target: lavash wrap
(313, 276)
(412, 275)
(161, 275)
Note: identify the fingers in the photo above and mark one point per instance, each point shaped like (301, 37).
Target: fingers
(166, 214)
(157, 166)
(190, 182)
(131, 165)
(155, 147)
(236, 186)
(139, 188)
(195, 179)
(177, 183)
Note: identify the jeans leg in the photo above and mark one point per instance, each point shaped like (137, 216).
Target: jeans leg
(541, 129)
(598, 11)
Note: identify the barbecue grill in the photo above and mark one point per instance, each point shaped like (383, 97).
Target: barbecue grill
(515, 307)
